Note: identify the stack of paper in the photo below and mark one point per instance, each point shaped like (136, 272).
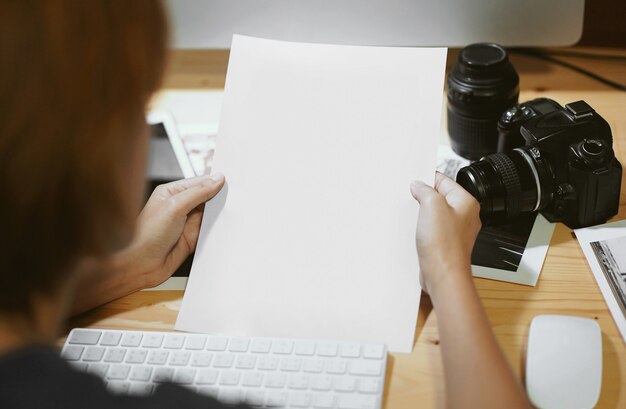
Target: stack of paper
(314, 234)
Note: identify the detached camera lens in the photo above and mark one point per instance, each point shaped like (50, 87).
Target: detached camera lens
(481, 86)
(507, 184)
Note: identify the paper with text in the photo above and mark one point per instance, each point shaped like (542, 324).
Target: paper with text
(314, 234)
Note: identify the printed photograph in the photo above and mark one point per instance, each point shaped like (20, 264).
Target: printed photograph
(500, 247)
(611, 255)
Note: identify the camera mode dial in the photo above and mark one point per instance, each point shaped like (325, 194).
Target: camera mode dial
(590, 153)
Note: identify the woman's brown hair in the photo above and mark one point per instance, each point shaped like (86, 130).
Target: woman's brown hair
(75, 77)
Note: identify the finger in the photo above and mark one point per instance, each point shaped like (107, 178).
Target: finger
(454, 193)
(445, 185)
(421, 191)
(187, 200)
(177, 256)
(187, 243)
(178, 186)
(191, 231)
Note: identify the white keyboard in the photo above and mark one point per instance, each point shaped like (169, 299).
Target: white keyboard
(261, 372)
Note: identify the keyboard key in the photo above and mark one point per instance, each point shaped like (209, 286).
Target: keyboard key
(152, 340)
(373, 351)
(297, 381)
(184, 376)
(230, 395)
(230, 378)
(174, 341)
(118, 372)
(350, 350)
(324, 401)
(327, 349)
(261, 346)
(207, 377)
(84, 337)
(238, 344)
(369, 386)
(321, 383)
(345, 384)
(163, 374)
(305, 348)
(118, 386)
(201, 359)
(252, 379)
(114, 355)
(158, 357)
(223, 360)
(98, 369)
(255, 397)
(313, 365)
(267, 362)
(136, 356)
(111, 338)
(131, 339)
(179, 358)
(278, 399)
(72, 352)
(217, 344)
(357, 402)
(336, 366)
(368, 368)
(195, 342)
(275, 380)
(209, 391)
(300, 400)
(290, 364)
(245, 362)
(93, 354)
(140, 388)
(282, 347)
(140, 373)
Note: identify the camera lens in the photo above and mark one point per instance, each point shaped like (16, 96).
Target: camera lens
(481, 86)
(507, 184)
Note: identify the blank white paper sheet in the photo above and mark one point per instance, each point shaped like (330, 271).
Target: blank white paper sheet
(314, 234)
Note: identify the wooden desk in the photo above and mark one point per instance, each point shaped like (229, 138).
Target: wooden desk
(566, 285)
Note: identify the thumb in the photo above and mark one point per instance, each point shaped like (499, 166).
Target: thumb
(421, 191)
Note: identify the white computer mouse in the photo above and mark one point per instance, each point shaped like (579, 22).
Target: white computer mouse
(564, 362)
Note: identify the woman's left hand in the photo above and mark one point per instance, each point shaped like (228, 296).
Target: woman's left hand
(168, 227)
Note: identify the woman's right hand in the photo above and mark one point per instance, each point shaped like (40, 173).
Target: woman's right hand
(446, 231)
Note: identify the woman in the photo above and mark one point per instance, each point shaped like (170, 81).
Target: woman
(75, 79)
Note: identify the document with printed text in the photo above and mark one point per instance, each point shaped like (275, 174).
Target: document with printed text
(604, 246)
(313, 235)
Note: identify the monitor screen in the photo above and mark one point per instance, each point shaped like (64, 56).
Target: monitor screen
(163, 165)
(446, 23)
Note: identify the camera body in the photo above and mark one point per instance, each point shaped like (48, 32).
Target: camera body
(556, 160)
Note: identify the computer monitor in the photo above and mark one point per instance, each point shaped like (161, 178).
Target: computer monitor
(451, 23)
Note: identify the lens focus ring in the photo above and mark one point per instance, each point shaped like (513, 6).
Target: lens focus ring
(510, 180)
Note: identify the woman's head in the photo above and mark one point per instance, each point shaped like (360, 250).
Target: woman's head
(75, 78)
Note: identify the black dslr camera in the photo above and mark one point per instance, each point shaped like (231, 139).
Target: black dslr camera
(551, 159)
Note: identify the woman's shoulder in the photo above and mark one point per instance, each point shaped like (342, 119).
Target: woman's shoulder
(39, 377)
